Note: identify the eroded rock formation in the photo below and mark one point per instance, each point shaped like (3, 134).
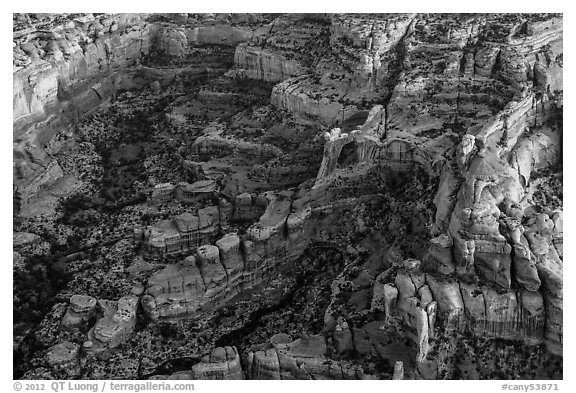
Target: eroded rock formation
(303, 358)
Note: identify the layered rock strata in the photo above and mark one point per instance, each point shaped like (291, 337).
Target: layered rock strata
(258, 63)
(514, 314)
(183, 231)
(183, 192)
(221, 363)
(489, 239)
(217, 273)
(304, 358)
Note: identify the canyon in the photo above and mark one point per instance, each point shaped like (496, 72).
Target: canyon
(288, 196)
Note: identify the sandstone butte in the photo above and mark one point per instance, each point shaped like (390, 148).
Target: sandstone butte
(311, 196)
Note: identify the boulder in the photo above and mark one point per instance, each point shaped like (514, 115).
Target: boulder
(64, 359)
(80, 313)
(22, 239)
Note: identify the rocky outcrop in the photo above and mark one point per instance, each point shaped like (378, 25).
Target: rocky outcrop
(440, 257)
(222, 363)
(350, 75)
(304, 358)
(40, 87)
(219, 35)
(64, 359)
(384, 297)
(367, 140)
(489, 180)
(173, 41)
(514, 120)
(183, 231)
(513, 314)
(257, 63)
(23, 239)
(214, 145)
(303, 97)
(231, 255)
(248, 207)
(398, 371)
(115, 326)
(365, 47)
(381, 35)
(217, 273)
(81, 312)
(493, 232)
(422, 328)
(59, 76)
(268, 236)
(539, 233)
(175, 291)
(273, 54)
(183, 192)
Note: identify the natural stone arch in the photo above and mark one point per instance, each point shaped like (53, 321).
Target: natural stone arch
(336, 140)
(348, 154)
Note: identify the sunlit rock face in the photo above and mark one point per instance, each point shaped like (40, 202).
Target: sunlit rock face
(492, 222)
